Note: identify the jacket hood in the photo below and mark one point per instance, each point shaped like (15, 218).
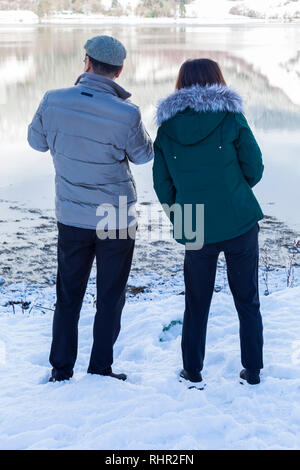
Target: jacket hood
(101, 83)
(190, 114)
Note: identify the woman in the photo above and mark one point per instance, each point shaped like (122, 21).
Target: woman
(205, 153)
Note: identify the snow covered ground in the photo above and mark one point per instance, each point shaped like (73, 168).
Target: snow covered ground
(152, 410)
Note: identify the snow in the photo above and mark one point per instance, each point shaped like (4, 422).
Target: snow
(211, 9)
(266, 9)
(95, 18)
(152, 410)
(269, 9)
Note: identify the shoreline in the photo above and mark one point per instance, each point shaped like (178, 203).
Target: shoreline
(28, 252)
(232, 20)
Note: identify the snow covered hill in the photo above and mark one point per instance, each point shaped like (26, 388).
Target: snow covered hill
(256, 9)
(267, 9)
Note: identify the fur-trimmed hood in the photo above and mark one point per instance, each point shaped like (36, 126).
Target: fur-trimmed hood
(215, 98)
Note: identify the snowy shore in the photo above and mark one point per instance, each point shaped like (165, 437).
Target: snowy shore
(138, 20)
(152, 410)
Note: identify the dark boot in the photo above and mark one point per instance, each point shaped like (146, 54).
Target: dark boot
(116, 376)
(192, 380)
(250, 376)
(55, 377)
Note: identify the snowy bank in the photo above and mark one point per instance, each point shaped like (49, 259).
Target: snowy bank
(138, 20)
(18, 16)
(152, 410)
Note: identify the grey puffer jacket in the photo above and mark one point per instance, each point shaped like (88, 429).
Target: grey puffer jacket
(92, 130)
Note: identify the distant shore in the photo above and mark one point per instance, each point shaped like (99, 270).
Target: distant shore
(23, 18)
(137, 20)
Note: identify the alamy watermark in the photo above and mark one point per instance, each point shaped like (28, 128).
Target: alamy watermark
(120, 221)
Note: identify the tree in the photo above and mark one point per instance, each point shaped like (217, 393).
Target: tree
(155, 8)
(182, 10)
(43, 8)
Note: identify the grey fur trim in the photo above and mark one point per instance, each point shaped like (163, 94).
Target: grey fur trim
(200, 98)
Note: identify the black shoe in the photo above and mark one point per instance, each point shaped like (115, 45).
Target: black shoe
(58, 379)
(110, 373)
(192, 380)
(250, 376)
(116, 376)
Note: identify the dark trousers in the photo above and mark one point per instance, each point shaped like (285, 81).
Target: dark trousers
(77, 248)
(200, 266)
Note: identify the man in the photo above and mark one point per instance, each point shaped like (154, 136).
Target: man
(92, 131)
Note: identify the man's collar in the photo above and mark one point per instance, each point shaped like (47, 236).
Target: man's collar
(101, 83)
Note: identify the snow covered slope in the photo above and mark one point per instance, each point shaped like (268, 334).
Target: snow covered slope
(152, 410)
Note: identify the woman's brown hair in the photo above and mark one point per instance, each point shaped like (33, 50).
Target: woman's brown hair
(199, 72)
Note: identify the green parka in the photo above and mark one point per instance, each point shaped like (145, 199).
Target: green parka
(205, 153)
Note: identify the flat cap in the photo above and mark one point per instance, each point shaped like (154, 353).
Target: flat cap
(106, 49)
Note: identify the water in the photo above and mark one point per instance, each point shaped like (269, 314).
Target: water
(261, 62)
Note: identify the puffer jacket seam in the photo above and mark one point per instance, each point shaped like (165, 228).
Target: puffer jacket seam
(92, 186)
(88, 138)
(92, 204)
(87, 161)
(55, 105)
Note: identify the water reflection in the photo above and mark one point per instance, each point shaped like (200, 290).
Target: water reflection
(262, 63)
